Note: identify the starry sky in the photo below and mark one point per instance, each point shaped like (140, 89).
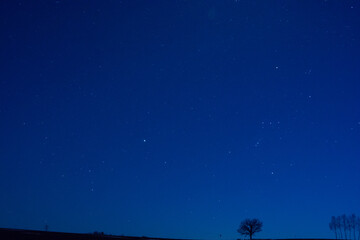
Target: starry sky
(179, 118)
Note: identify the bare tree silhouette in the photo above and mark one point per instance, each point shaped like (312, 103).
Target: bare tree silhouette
(333, 225)
(339, 225)
(358, 226)
(352, 221)
(249, 227)
(346, 227)
(344, 224)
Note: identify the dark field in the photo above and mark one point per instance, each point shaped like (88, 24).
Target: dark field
(15, 234)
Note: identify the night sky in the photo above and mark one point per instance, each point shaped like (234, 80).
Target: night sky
(179, 118)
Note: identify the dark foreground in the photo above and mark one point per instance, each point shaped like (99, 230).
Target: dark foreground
(19, 234)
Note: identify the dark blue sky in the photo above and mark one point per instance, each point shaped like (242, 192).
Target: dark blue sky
(179, 118)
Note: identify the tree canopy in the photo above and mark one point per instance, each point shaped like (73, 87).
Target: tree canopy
(249, 227)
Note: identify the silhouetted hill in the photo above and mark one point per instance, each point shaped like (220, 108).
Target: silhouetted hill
(19, 234)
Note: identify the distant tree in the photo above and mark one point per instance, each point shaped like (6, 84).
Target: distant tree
(358, 226)
(339, 225)
(349, 227)
(353, 224)
(333, 225)
(249, 227)
(344, 224)
(352, 220)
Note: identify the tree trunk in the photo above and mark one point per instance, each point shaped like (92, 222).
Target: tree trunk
(354, 231)
(341, 235)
